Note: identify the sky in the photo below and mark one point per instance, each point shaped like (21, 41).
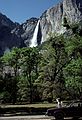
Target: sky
(21, 10)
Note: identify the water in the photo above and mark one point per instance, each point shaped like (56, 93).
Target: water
(7, 50)
(34, 39)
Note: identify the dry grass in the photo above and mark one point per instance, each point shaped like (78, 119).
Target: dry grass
(41, 105)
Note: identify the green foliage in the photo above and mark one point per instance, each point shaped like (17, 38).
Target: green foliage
(29, 66)
(23, 90)
(74, 27)
(74, 46)
(53, 61)
(5, 97)
(35, 75)
(74, 81)
(65, 23)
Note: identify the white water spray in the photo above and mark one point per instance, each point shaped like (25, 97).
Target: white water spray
(7, 50)
(34, 39)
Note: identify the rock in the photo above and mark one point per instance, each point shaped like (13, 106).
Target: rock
(5, 21)
(8, 40)
(52, 19)
(26, 30)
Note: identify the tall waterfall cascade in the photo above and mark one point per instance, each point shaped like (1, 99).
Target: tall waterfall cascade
(34, 38)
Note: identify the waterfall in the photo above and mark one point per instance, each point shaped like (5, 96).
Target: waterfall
(34, 39)
(7, 50)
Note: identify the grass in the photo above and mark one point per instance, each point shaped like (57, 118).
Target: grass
(40, 105)
(30, 109)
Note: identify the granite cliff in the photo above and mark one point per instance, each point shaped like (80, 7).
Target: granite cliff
(8, 39)
(14, 34)
(52, 19)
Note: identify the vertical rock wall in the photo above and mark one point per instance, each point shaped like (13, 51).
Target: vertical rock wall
(52, 19)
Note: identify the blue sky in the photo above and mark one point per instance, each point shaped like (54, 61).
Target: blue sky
(21, 10)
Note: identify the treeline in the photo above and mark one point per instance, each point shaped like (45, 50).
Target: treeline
(43, 73)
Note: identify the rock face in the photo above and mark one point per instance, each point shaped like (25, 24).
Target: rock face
(4, 21)
(14, 34)
(7, 38)
(26, 30)
(52, 19)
